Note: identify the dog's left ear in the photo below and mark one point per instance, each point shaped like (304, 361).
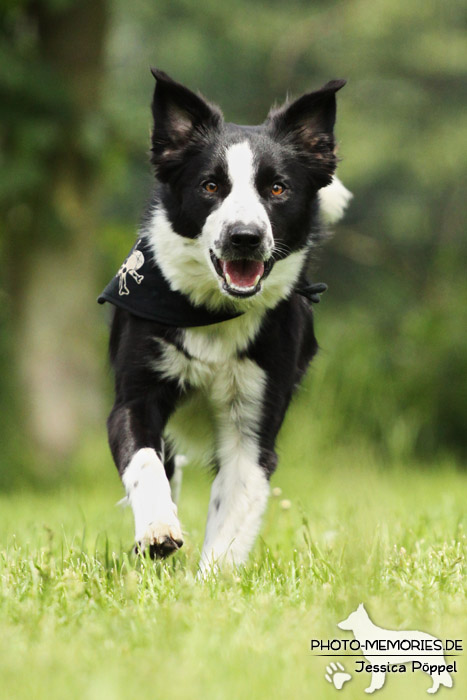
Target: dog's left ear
(180, 118)
(309, 123)
(310, 115)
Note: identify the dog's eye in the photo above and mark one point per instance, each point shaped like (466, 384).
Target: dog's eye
(277, 189)
(210, 186)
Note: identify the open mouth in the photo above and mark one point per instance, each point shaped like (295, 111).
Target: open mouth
(242, 277)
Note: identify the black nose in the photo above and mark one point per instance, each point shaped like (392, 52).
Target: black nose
(247, 237)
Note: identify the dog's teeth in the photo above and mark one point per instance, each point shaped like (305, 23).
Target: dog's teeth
(228, 279)
(258, 277)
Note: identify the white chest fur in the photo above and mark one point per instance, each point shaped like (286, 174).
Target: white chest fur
(222, 386)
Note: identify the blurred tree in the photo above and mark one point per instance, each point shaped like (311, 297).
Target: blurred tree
(52, 135)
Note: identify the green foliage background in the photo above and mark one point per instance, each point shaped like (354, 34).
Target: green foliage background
(369, 497)
(75, 89)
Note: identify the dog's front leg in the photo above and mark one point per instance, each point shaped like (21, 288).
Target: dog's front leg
(255, 402)
(239, 497)
(240, 490)
(377, 681)
(148, 490)
(135, 431)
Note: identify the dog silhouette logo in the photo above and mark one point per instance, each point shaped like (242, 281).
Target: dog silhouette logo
(133, 262)
(385, 648)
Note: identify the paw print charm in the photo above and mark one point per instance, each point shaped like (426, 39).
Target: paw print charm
(337, 675)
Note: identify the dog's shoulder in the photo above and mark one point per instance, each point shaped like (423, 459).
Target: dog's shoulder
(286, 339)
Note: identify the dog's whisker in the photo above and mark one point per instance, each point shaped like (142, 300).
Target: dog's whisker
(280, 250)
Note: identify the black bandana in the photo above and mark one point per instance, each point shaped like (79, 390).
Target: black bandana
(140, 287)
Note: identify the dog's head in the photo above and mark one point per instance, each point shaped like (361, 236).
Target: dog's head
(240, 200)
(356, 619)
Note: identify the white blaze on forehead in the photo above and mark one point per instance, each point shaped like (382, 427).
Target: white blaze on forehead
(243, 203)
(240, 165)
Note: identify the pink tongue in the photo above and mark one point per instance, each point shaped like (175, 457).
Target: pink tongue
(243, 273)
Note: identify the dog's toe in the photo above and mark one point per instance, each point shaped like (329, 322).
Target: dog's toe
(160, 540)
(161, 550)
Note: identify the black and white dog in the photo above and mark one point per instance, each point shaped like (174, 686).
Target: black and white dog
(212, 332)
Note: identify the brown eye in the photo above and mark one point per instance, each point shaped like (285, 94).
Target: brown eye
(210, 186)
(277, 189)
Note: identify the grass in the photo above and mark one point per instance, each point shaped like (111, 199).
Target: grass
(81, 617)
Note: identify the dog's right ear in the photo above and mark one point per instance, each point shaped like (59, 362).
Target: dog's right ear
(181, 119)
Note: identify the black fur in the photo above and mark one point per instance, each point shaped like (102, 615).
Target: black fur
(294, 146)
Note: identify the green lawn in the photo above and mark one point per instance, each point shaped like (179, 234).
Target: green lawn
(82, 618)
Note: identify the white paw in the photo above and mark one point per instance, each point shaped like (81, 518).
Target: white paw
(337, 675)
(161, 537)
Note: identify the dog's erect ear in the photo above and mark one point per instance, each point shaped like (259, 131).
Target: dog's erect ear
(180, 117)
(309, 123)
(310, 115)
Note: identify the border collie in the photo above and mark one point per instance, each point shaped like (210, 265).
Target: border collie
(212, 329)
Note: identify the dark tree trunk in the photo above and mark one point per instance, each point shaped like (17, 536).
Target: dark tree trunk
(56, 320)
